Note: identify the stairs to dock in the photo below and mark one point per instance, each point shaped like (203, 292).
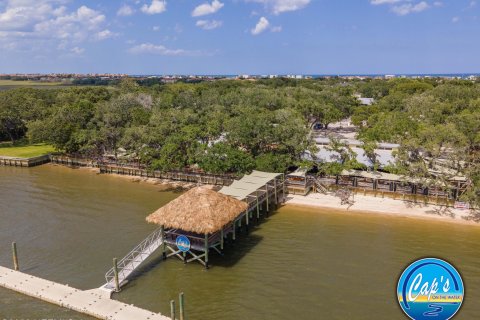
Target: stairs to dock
(133, 260)
(320, 187)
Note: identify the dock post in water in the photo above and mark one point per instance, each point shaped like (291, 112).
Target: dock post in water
(164, 251)
(266, 189)
(115, 271)
(206, 250)
(172, 309)
(181, 302)
(234, 231)
(15, 256)
(221, 239)
(258, 205)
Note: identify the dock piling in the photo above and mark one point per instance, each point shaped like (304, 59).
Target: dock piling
(222, 239)
(15, 256)
(164, 246)
(206, 251)
(115, 271)
(172, 309)
(181, 301)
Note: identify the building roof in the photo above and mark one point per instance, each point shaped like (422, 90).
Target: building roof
(384, 157)
(298, 173)
(199, 210)
(249, 184)
(366, 101)
(398, 178)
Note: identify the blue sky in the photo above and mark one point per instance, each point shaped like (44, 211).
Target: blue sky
(240, 36)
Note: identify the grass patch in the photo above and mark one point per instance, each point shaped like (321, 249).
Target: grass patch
(29, 151)
(28, 83)
(10, 84)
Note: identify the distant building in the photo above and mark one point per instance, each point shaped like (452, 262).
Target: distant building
(365, 101)
(385, 152)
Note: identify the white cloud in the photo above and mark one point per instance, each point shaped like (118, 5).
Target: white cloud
(404, 7)
(280, 6)
(105, 34)
(157, 6)
(46, 25)
(438, 4)
(160, 50)
(125, 10)
(261, 26)
(378, 2)
(276, 29)
(473, 4)
(207, 8)
(76, 26)
(77, 50)
(22, 15)
(408, 8)
(455, 19)
(209, 24)
(156, 28)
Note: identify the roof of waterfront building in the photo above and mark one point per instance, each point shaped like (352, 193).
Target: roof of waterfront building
(249, 184)
(377, 175)
(384, 157)
(199, 210)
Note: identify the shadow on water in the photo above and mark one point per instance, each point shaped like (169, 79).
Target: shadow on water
(233, 251)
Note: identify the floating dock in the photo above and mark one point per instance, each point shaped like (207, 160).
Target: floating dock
(95, 303)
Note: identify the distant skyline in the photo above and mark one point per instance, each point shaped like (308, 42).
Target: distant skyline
(240, 36)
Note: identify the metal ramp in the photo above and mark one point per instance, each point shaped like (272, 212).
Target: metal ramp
(133, 260)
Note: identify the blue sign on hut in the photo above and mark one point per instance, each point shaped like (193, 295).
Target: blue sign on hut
(202, 216)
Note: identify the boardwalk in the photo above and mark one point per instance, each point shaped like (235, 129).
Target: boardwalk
(96, 303)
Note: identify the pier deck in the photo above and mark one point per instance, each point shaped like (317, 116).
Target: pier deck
(96, 303)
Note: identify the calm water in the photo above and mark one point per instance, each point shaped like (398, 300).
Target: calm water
(300, 263)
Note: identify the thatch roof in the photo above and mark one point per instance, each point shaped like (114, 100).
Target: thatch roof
(199, 210)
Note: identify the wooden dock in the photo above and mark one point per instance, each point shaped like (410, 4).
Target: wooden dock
(24, 162)
(96, 302)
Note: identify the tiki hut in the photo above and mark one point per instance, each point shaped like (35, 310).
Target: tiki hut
(200, 210)
(196, 222)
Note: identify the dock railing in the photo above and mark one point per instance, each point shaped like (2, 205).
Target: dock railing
(128, 264)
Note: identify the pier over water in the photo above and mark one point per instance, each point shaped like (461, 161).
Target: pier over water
(94, 302)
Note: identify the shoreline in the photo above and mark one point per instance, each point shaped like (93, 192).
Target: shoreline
(385, 207)
(362, 204)
(163, 184)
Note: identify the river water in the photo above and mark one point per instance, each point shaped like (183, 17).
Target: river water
(300, 263)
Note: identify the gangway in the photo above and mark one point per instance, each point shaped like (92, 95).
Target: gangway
(133, 260)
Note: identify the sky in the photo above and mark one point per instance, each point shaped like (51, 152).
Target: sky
(240, 36)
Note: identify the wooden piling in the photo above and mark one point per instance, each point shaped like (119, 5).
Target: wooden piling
(275, 186)
(181, 302)
(172, 309)
(206, 251)
(221, 239)
(258, 206)
(15, 256)
(234, 230)
(164, 248)
(115, 272)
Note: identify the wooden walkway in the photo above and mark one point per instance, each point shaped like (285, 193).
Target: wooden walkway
(96, 303)
(24, 162)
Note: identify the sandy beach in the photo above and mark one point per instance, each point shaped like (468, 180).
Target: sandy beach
(385, 206)
(163, 184)
(362, 204)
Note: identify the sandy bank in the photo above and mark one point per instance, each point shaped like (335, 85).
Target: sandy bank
(386, 206)
(163, 184)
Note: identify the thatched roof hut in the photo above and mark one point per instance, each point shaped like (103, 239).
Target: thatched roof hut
(199, 210)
